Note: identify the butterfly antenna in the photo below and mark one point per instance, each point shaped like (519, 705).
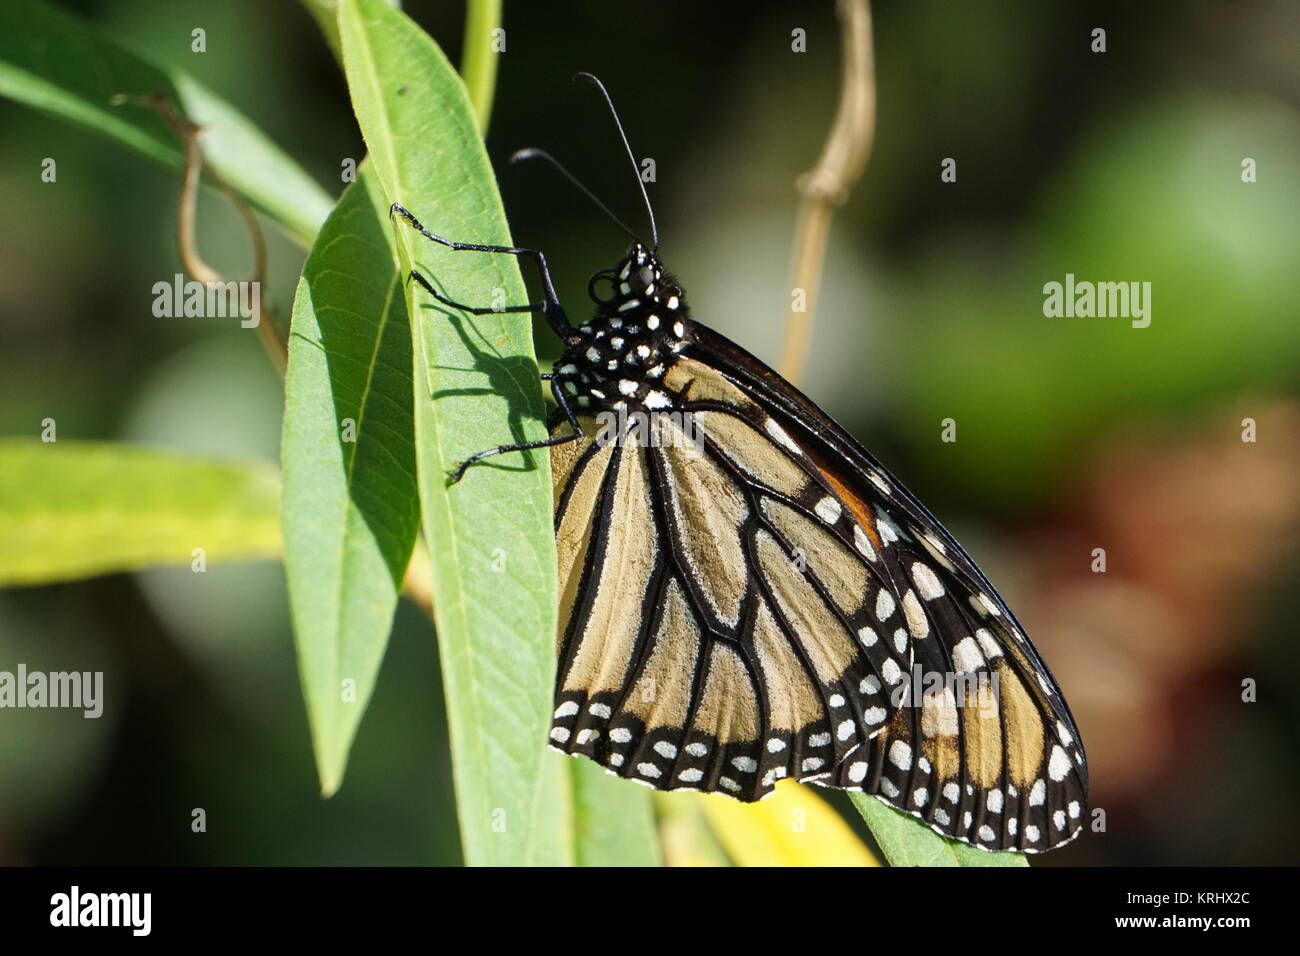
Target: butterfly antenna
(654, 230)
(534, 153)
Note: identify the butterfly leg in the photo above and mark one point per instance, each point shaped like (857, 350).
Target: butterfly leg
(560, 399)
(550, 307)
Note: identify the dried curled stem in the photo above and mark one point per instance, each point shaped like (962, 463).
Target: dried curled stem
(192, 262)
(827, 185)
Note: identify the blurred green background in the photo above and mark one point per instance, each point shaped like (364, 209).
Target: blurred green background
(1072, 433)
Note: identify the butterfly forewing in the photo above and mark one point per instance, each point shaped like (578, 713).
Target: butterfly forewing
(982, 747)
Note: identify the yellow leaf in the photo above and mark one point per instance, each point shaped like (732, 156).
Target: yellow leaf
(684, 835)
(792, 827)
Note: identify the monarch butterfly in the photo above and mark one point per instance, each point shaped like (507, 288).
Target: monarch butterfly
(746, 594)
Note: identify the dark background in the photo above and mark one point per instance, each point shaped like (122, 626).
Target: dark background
(1073, 434)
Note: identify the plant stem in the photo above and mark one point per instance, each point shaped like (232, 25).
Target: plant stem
(827, 185)
(478, 61)
(192, 262)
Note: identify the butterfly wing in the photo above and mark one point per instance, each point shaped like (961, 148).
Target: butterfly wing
(992, 755)
(713, 635)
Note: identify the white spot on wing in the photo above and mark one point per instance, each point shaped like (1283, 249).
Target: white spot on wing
(917, 622)
(1058, 765)
(966, 655)
(988, 644)
(884, 605)
(778, 433)
(900, 755)
(926, 581)
(828, 509)
(863, 543)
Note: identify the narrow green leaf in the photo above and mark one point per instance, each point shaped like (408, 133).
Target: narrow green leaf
(73, 509)
(613, 823)
(476, 387)
(326, 14)
(351, 508)
(55, 62)
(906, 841)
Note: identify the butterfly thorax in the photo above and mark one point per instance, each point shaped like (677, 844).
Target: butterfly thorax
(618, 360)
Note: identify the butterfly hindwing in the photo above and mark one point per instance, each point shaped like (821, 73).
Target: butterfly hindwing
(712, 630)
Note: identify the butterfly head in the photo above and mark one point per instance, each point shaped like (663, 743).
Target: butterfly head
(639, 281)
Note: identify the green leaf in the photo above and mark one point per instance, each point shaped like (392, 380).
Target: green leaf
(55, 62)
(613, 823)
(906, 841)
(72, 509)
(351, 508)
(476, 387)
